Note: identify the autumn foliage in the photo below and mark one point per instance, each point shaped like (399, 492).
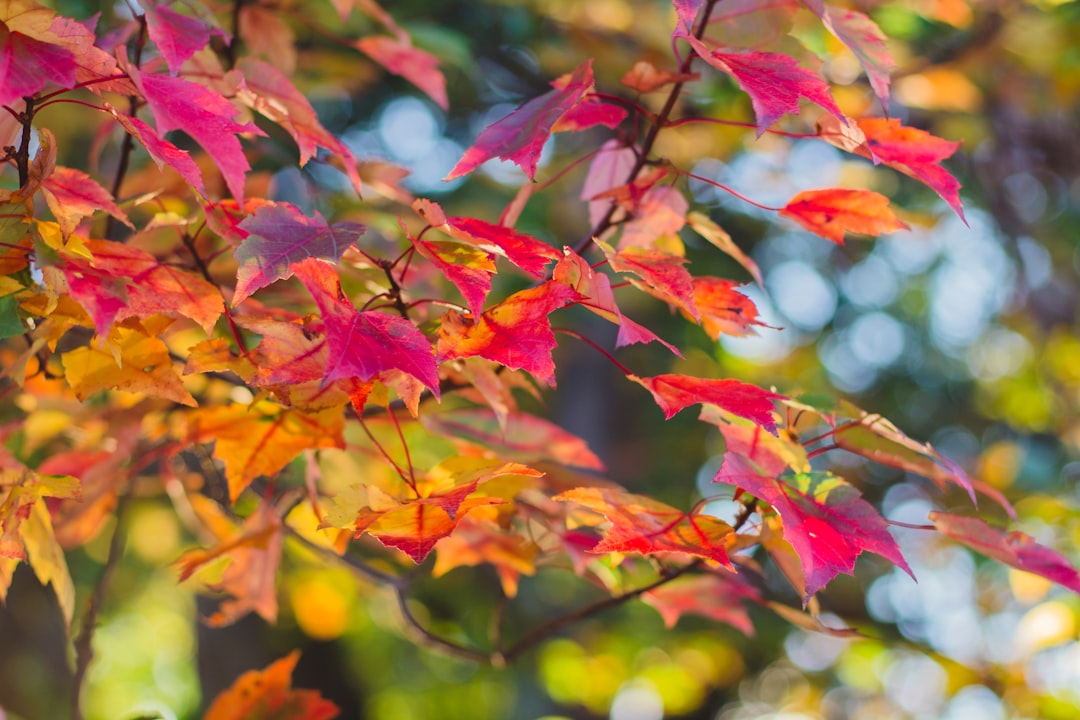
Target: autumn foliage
(358, 383)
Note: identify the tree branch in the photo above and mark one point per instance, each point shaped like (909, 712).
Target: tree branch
(84, 650)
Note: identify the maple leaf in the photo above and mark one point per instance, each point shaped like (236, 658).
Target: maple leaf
(575, 271)
(363, 344)
(263, 438)
(474, 543)
(521, 436)
(254, 551)
(30, 54)
(662, 273)
(440, 499)
(831, 213)
(686, 11)
(265, 32)
(268, 695)
(524, 251)
(715, 596)
(864, 38)
(660, 215)
(1015, 549)
(205, 115)
(177, 36)
(677, 392)
(268, 91)
(152, 287)
(774, 82)
(642, 525)
(515, 333)
(468, 267)
(724, 310)
(706, 228)
(824, 519)
(20, 489)
(73, 195)
(134, 360)
(162, 152)
(916, 153)
(520, 136)
(417, 66)
(279, 235)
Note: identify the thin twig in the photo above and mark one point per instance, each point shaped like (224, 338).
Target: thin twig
(84, 650)
(547, 629)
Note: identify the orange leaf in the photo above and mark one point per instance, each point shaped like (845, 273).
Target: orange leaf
(831, 213)
(642, 525)
(263, 438)
(268, 695)
(724, 310)
(254, 551)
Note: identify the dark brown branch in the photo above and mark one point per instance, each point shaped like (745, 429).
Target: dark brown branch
(547, 629)
(127, 145)
(84, 650)
(22, 155)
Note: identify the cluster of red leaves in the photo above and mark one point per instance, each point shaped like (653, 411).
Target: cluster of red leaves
(348, 379)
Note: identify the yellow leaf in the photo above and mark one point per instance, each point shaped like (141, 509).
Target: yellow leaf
(138, 363)
(46, 557)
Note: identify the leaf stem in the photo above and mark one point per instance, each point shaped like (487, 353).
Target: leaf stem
(728, 190)
(597, 348)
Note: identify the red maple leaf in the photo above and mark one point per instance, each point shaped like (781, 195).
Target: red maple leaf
(774, 82)
(515, 333)
(280, 235)
(916, 153)
(824, 518)
(468, 267)
(831, 213)
(363, 344)
(417, 66)
(662, 275)
(677, 392)
(268, 91)
(31, 55)
(73, 195)
(520, 136)
(1015, 549)
(205, 115)
(642, 525)
(724, 310)
(162, 152)
(595, 287)
(524, 251)
(177, 36)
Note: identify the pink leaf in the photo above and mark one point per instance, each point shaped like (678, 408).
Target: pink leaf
(162, 152)
(864, 38)
(824, 518)
(28, 64)
(520, 136)
(417, 66)
(1015, 549)
(179, 104)
(280, 235)
(774, 82)
(363, 344)
(177, 36)
(268, 91)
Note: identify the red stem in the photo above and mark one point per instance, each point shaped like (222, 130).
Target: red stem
(726, 189)
(602, 351)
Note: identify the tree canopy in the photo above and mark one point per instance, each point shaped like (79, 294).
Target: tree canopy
(608, 358)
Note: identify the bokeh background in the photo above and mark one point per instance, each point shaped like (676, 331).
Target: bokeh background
(966, 336)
